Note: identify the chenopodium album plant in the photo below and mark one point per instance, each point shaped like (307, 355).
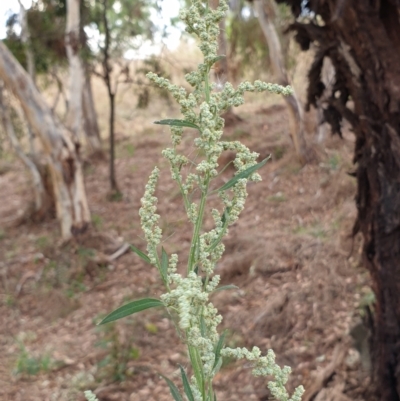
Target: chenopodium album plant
(187, 297)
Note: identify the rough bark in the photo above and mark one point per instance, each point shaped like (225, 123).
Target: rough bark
(61, 149)
(76, 73)
(362, 39)
(280, 74)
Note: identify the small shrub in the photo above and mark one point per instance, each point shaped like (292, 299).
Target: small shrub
(187, 297)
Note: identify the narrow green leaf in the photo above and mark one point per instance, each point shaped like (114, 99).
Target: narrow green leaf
(225, 215)
(244, 174)
(164, 265)
(131, 308)
(141, 254)
(215, 397)
(203, 328)
(186, 385)
(177, 123)
(218, 348)
(227, 287)
(197, 366)
(174, 390)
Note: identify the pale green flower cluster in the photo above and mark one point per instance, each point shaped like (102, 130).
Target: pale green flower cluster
(266, 366)
(149, 217)
(90, 396)
(190, 300)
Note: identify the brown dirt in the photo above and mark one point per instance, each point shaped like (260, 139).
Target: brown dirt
(290, 254)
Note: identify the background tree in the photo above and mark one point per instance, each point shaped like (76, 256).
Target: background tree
(49, 32)
(362, 40)
(120, 22)
(41, 197)
(60, 149)
(265, 14)
(76, 77)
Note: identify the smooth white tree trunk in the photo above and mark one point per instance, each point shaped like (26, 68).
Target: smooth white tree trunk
(38, 187)
(30, 61)
(59, 146)
(279, 70)
(90, 125)
(76, 72)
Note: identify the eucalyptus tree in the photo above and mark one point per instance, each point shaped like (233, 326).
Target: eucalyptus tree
(53, 37)
(362, 40)
(59, 147)
(121, 23)
(266, 14)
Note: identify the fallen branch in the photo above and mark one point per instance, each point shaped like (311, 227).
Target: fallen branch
(326, 373)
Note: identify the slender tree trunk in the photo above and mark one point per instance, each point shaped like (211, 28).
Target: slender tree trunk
(60, 91)
(278, 66)
(61, 149)
(111, 95)
(38, 187)
(30, 61)
(362, 39)
(76, 75)
(90, 124)
(113, 181)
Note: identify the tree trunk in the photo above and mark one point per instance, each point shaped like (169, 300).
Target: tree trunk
(61, 149)
(279, 70)
(113, 181)
(107, 71)
(41, 197)
(362, 39)
(90, 124)
(30, 61)
(76, 76)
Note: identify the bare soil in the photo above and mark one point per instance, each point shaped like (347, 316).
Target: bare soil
(291, 253)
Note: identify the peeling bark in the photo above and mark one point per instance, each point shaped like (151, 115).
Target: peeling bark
(362, 39)
(59, 146)
(276, 58)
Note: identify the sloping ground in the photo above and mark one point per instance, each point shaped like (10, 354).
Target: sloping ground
(291, 254)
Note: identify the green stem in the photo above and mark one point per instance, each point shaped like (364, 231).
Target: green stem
(197, 227)
(185, 198)
(197, 366)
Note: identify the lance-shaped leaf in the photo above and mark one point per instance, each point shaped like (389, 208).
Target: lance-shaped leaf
(218, 349)
(164, 265)
(225, 215)
(131, 308)
(244, 174)
(174, 390)
(141, 254)
(186, 385)
(226, 287)
(177, 123)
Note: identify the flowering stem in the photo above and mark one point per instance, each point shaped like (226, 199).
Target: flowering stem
(198, 225)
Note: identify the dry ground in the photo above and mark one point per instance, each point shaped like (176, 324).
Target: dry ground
(301, 284)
